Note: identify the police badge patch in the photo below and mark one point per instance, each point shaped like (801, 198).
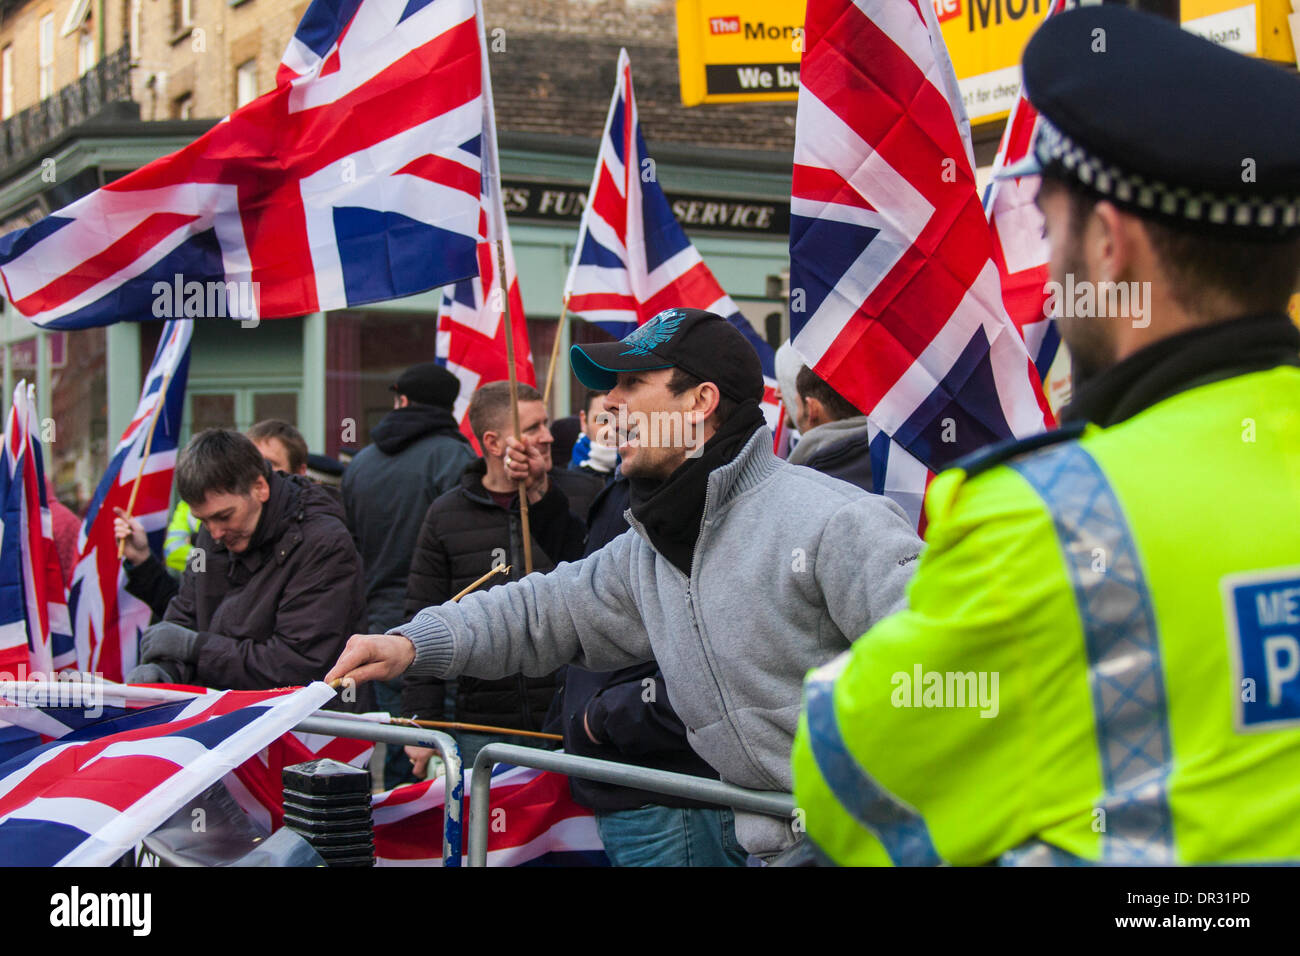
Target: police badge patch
(1263, 623)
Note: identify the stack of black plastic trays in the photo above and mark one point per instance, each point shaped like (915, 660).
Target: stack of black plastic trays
(328, 803)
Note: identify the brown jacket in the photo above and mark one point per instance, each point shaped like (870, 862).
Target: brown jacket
(279, 613)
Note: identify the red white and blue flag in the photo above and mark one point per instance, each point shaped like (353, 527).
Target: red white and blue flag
(355, 180)
(257, 784)
(534, 822)
(35, 636)
(894, 296)
(471, 339)
(89, 797)
(633, 260)
(1020, 248)
(106, 620)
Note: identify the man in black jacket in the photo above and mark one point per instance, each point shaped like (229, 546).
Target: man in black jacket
(476, 526)
(416, 453)
(274, 589)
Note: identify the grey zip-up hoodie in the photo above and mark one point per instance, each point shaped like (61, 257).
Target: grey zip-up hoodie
(790, 567)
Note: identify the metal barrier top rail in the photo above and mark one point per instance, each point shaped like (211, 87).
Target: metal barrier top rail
(606, 771)
(339, 726)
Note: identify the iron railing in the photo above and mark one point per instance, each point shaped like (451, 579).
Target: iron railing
(25, 134)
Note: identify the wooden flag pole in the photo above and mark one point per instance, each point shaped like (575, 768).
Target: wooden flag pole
(144, 460)
(499, 569)
(555, 352)
(477, 728)
(514, 398)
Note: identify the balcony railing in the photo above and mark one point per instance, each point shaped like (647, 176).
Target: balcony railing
(26, 133)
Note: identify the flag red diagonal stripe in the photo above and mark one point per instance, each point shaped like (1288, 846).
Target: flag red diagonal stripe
(117, 256)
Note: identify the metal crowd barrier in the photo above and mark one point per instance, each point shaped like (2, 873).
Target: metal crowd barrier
(414, 737)
(606, 771)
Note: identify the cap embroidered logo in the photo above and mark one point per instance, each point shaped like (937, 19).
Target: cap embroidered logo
(653, 334)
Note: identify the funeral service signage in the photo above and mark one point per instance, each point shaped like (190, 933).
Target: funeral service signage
(739, 51)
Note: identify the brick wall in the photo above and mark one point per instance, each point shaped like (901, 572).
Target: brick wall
(20, 29)
(200, 61)
(554, 76)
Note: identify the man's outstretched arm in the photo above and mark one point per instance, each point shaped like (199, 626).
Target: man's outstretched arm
(579, 613)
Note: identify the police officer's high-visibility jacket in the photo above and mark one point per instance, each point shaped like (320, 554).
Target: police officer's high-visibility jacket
(1100, 659)
(179, 540)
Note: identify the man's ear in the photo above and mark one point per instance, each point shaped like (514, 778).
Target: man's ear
(814, 412)
(261, 490)
(493, 445)
(1109, 242)
(707, 399)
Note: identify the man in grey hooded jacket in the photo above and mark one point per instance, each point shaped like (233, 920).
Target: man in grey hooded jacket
(739, 574)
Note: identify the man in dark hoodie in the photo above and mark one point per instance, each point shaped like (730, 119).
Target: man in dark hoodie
(834, 438)
(417, 453)
(275, 587)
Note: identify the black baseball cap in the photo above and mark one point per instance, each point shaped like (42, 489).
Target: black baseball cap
(428, 383)
(701, 343)
(1138, 111)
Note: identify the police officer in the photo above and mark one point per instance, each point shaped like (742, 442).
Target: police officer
(1101, 656)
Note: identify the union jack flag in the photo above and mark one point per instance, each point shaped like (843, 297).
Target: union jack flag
(633, 260)
(106, 621)
(895, 299)
(34, 631)
(257, 785)
(540, 823)
(356, 179)
(1020, 248)
(90, 796)
(471, 339)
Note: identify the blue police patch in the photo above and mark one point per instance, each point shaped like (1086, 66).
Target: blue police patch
(1263, 618)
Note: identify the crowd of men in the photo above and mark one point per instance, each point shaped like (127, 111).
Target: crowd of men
(687, 581)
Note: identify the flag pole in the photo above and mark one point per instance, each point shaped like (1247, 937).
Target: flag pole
(144, 459)
(514, 397)
(555, 351)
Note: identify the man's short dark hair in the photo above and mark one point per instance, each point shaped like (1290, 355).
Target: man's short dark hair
(1257, 275)
(218, 461)
(294, 444)
(811, 385)
(592, 395)
(489, 406)
(681, 380)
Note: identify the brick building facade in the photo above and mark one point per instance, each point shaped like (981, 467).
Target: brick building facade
(131, 80)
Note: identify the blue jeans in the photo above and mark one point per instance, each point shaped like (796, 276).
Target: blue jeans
(670, 836)
(470, 742)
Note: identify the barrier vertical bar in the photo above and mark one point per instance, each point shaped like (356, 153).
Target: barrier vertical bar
(343, 725)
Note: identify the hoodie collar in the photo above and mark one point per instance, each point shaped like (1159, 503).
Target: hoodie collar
(826, 434)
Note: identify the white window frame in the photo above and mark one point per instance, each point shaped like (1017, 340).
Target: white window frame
(85, 52)
(45, 56)
(246, 89)
(7, 82)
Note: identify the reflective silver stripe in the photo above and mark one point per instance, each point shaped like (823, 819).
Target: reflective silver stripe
(898, 827)
(1124, 667)
(1038, 853)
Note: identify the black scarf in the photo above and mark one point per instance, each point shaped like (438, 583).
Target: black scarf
(672, 510)
(1187, 360)
(402, 426)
